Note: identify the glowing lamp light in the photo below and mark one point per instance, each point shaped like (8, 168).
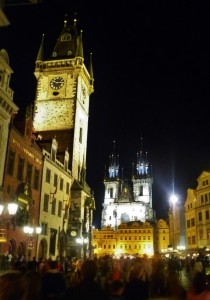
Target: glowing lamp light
(173, 199)
(38, 230)
(1, 208)
(30, 230)
(12, 208)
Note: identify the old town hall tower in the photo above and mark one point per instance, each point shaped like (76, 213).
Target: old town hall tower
(61, 107)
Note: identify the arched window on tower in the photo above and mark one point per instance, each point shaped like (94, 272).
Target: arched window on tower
(141, 190)
(111, 192)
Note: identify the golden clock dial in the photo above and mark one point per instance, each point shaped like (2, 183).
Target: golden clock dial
(57, 83)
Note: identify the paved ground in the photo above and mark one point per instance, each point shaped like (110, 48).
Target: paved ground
(185, 280)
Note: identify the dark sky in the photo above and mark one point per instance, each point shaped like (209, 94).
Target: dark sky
(151, 68)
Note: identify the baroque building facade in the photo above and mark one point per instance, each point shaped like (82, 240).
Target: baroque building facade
(197, 214)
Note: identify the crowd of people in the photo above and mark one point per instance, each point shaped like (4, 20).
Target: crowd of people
(106, 278)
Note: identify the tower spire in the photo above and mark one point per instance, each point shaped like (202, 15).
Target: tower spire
(114, 165)
(40, 54)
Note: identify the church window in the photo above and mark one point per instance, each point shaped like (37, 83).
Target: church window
(141, 191)
(111, 192)
(11, 162)
(20, 168)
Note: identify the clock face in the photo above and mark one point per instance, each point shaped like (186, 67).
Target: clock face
(73, 233)
(57, 83)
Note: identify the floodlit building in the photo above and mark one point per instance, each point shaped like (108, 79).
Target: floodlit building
(197, 214)
(127, 200)
(61, 111)
(130, 239)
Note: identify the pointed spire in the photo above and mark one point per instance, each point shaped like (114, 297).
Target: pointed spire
(80, 46)
(114, 165)
(40, 54)
(91, 67)
(142, 166)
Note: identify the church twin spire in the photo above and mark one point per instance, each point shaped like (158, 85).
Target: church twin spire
(142, 168)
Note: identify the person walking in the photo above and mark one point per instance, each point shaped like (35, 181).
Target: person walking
(137, 287)
(88, 287)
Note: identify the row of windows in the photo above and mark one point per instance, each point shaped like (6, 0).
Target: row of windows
(135, 238)
(56, 206)
(57, 182)
(135, 231)
(125, 246)
(191, 222)
(32, 173)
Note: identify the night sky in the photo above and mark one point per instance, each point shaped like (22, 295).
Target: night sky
(151, 68)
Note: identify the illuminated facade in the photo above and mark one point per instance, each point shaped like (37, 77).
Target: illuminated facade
(61, 111)
(132, 238)
(128, 200)
(22, 181)
(7, 107)
(197, 214)
(54, 203)
(161, 236)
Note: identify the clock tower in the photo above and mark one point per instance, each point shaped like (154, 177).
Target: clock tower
(61, 107)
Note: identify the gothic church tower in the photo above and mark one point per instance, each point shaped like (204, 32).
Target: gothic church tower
(128, 200)
(61, 109)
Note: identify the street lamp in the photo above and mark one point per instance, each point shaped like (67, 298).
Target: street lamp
(11, 207)
(173, 200)
(30, 230)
